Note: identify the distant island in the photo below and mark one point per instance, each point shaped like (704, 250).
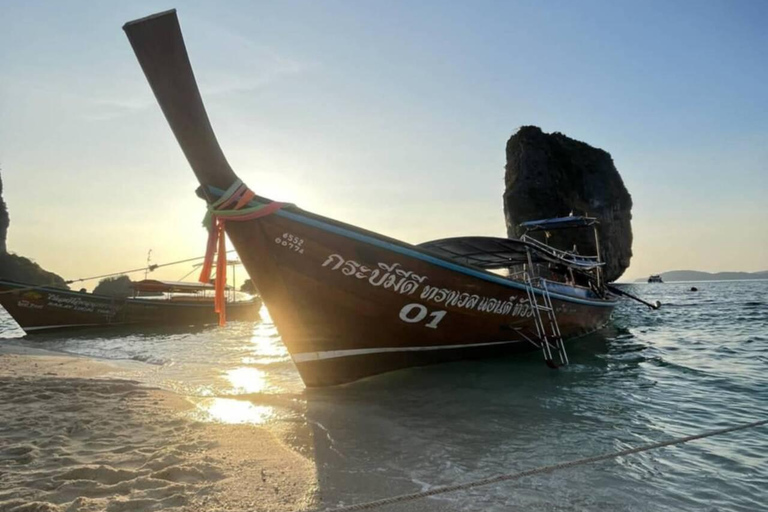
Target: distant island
(695, 275)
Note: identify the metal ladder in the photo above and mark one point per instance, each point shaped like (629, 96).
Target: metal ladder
(549, 340)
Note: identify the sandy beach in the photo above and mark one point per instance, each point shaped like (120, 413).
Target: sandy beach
(75, 438)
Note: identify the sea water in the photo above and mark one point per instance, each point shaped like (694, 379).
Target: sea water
(699, 363)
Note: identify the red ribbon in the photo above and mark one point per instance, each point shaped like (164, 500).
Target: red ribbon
(217, 247)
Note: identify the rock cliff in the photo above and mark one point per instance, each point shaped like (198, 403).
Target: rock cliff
(4, 221)
(19, 268)
(551, 175)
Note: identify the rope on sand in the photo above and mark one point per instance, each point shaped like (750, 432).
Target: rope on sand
(545, 469)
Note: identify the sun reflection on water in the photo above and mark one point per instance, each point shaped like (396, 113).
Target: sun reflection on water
(251, 373)
(264, 346)
(265, 342)
(247, 380)
(258, 360)
(233, 412)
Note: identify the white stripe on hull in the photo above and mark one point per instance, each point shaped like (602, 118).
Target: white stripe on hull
(305, 357)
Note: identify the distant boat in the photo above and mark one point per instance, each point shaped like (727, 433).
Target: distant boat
(655, 278)
(42, 308)
(349, 303)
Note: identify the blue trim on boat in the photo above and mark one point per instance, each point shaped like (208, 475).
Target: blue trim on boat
(487, 276)
(430, 259)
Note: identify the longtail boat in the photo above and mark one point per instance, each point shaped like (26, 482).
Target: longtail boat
(349, 303)
(45, 309)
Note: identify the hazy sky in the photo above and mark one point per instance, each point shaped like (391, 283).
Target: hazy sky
(389, 115)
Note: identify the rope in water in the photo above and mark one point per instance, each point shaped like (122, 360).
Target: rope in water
(545, 469)
(237, 198)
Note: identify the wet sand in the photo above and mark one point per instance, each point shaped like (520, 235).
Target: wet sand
(74, 438)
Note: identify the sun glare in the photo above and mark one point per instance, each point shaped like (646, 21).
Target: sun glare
(230, 411)
(264, 346)
(247, 380)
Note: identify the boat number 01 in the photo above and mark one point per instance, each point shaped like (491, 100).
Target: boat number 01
(415, 313)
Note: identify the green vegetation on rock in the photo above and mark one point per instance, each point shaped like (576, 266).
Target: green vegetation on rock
(119, 286)
(248, 287)
(18, 268)
(23, 270)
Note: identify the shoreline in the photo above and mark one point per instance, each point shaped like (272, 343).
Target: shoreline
(75, 437)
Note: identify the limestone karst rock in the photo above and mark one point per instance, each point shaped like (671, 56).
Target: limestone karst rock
(551, 175)
(19, 268)
(4, 221)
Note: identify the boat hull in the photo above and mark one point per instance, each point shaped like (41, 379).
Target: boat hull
(349, 303)
(44, 309)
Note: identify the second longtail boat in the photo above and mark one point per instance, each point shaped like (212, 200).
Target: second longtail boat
(39, 309)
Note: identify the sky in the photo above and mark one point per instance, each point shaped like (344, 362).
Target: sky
(392, 116)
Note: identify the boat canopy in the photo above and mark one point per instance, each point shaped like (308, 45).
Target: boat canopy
(153, 285)
(497, 253)
(559, 223)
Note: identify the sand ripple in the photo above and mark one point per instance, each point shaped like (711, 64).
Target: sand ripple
(82, 445)
(94, 444)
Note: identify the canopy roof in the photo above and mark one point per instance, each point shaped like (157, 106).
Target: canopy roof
(495, 253)
(153, 285)
(559, 223)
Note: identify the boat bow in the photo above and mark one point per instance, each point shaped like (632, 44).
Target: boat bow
(159, 47)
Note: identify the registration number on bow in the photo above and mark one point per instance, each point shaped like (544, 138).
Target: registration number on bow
(291, 242)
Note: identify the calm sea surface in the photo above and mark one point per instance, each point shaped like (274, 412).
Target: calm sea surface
(699, 363)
